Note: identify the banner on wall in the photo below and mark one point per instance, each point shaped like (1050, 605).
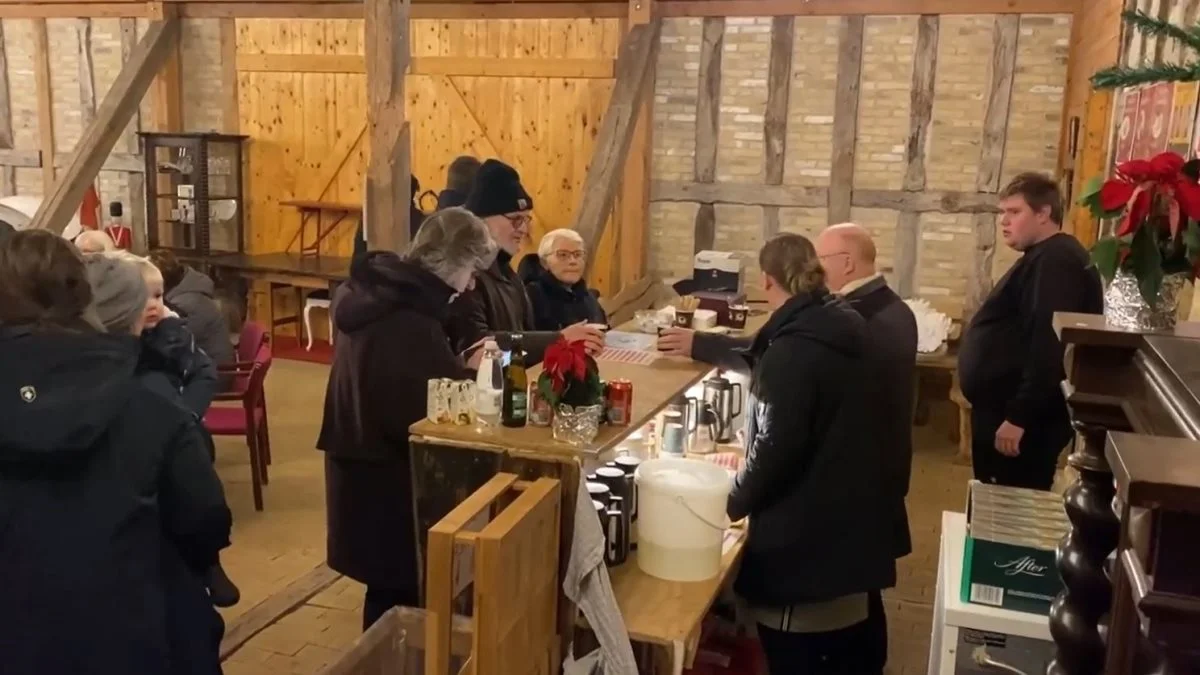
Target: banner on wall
(1153, 115)
(1127, 114)
(1183, 118)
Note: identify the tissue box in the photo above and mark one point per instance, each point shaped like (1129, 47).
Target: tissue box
(719, 302)
(717, 271)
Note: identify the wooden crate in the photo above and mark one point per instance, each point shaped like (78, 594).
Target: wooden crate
(503, 541)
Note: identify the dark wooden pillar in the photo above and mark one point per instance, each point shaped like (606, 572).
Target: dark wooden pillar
(1116, 382)
(1076, 617)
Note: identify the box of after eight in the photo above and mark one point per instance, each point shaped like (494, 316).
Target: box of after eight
(1012, 534)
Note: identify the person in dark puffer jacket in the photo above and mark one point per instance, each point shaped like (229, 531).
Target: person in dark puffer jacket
(554, 281)
(169, 362)
(109, 505)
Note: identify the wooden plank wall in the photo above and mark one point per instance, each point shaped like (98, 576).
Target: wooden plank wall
(302, 98)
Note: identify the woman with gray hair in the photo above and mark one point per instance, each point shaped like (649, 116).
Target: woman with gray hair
(390, 343)
(554, 282)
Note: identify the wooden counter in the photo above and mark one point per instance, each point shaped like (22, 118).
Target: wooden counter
(669, 613)
(654, 386)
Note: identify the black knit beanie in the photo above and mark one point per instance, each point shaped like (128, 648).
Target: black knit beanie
(497, 190)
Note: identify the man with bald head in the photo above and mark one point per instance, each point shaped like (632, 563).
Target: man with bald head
(847, 253)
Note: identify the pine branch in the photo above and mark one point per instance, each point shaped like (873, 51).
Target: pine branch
(1153, 27)
(1118, 77)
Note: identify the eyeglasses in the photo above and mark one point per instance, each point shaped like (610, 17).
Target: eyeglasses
(569, 255)
(830, 255)
(519, 222)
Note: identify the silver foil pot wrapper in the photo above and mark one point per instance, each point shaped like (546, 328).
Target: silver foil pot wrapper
(1124, 306)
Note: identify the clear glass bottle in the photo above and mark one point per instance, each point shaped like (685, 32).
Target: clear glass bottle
(489, 386)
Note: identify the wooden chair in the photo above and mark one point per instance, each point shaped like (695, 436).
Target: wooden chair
(250, 420)
(251, 339)
(379, 651)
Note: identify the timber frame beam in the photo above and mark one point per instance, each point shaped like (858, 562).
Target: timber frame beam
(524, 9)
(111, 118)
(635, 63)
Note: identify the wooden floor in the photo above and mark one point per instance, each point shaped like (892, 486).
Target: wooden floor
(273, 548)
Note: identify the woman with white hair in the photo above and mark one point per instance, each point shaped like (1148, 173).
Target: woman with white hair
(390, 343)
(555, 284)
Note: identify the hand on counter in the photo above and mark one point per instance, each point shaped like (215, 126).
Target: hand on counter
(592, 337)
(676, 341)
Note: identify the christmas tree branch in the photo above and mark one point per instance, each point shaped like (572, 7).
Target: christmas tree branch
(1118, 77)
(1153, 27)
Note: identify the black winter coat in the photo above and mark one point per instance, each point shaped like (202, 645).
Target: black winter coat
(193, 298)
(556, 305)
(891, 356)
(390, 343)
(497, 306)
(109, 509)
(171, 365)
(812, 484)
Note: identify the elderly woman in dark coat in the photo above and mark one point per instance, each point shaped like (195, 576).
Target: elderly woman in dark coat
(390, 343)
(554, 282)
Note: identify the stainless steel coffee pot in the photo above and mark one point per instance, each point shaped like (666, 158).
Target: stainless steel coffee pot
(725, 398)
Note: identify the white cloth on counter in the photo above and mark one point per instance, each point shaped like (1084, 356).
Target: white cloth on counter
(588, 586)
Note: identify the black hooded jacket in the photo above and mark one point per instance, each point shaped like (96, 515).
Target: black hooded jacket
(812, 484)
(390, 343)
(109, 509)
(556, 305)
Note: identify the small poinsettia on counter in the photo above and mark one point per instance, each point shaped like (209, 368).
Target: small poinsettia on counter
(569, 376)
(1158, 232)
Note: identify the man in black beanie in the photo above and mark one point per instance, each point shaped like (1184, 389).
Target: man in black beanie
(498, 304)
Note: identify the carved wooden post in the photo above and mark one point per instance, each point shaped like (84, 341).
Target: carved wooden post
(1076, 615)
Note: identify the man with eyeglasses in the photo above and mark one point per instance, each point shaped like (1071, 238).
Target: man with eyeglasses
(499, 305)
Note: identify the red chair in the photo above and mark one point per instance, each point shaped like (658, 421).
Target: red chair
(250, 420)
(253, 337)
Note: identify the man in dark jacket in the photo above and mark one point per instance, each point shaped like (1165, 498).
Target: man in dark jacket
(813, 483)
(1010, 362)
(498, 305)
(555, 284)
(460, 176)
(847, 254)
(390, 343)
(191, 294)
(109, 505)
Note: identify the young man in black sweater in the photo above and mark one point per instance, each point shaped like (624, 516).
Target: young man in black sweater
(1010, 362)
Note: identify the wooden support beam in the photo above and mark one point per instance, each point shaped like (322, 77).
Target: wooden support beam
(908, 224)
(6, 130)
(635, 62)
(634, 214)
(845, 118)
(32, 159)
(775, 116)
(45, 101)
(796, 196)
(137, 181)
(275, 607)
(388, 195)
(115, 112)
(230, 119)
(87, 72)
(708, 124)
(991, 155)
(166, 97)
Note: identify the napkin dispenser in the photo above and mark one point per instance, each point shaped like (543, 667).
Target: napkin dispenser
(718, 271)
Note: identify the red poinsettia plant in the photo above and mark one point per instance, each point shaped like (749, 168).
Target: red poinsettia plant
(1158, 231)
(569, 376)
